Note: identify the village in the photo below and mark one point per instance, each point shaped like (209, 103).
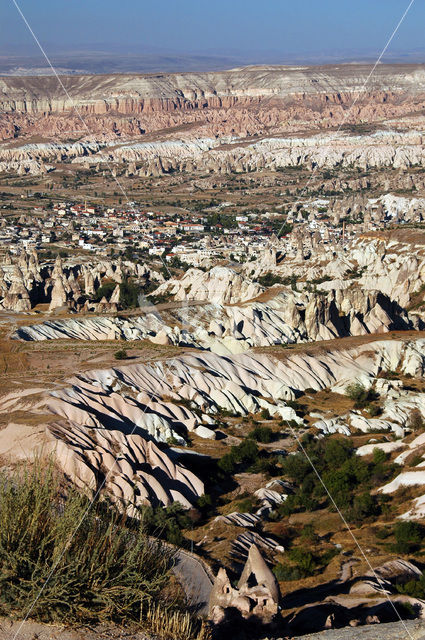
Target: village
(195, 239)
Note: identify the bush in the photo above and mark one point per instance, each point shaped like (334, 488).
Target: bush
(309, 534)
(374, 410)
(261, 434)
(347, 477)
(243, 454)
(379, 456)
(121, 354)
(105, 290)
(408, 536)
(247, 451)
(265, 414)
(63, 559)
(246, 505)
(204, 501)
(304, 560)
(361, 396)
(297, 407)
(357, 392)
(416, 422)
(285, 573)
(227, 464)
(364, 506)
(296, 467)
(166, 522)
(269, 279)
(413, 588)
(129, 294)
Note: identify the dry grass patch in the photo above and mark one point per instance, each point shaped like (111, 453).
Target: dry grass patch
(314, 349)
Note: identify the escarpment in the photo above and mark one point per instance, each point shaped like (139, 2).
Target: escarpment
(244, 101)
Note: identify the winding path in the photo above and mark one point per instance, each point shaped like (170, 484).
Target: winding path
(195, 580)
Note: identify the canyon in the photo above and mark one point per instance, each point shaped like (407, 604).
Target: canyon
(212, 290)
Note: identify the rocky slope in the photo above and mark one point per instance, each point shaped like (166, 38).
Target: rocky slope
(225, 154)
(129, 409)
(243, 101)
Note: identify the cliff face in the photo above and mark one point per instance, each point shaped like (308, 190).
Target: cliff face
(242, 101)
(167, 92)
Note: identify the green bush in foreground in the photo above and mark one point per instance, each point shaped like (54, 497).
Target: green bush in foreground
(61, 559)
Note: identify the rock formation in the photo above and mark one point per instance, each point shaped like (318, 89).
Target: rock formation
(257, 593)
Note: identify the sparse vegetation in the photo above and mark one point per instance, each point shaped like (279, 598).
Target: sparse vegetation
(347, 478)
(105, 567)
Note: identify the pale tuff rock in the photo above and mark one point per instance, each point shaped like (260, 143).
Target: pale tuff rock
(89, 287)
(24, 283)
(382, 149)
(243, 102)
(239, 519)
(115, 297)
(141, 474)
(382, 578)
(220, 285)
(227, 329)
(242, 544)
(257, 593)
(59, 296)
(17, 297)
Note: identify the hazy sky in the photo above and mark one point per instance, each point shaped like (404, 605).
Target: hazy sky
(239, 27)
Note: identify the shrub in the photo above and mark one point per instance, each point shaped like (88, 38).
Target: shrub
(63, 559)
(383, 534)
(309, 534)
(336, 452)
(244, 453)
(415, 461)
(364, 506)
(261, 434)
(265, 414)
(413, 588)
(227, 464)
(416, 422)
(121, 354)
(297, 406)
(304, 560)
(129, 294)
(356, 392)
(347, 477)
(204, 501)
(374, 410)
(264, 464)
(408, 536)
(361, 396)
(105, 291)
(389, 375)
(269, 279)
(166, 522)
(246, 505)
(326, 558)
(379, 456)
(285, 573)
(296, 467)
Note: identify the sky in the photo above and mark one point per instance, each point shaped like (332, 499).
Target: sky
(253, 29)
